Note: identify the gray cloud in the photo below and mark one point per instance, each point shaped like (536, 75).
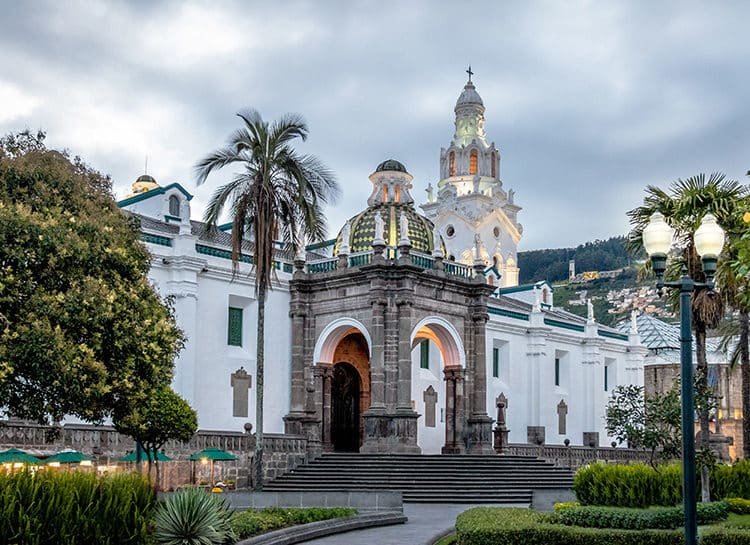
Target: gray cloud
(587, 101)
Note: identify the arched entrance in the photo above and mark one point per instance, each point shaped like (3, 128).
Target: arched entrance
(345, 400)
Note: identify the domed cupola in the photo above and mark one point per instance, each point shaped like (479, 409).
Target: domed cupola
(143, 184)
(390, 197)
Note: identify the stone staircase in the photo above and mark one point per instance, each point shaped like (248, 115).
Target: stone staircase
(429, 478)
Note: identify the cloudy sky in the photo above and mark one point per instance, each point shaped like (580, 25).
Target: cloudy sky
(587, 101)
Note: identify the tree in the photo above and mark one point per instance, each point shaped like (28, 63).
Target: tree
(82, 331)
(164, 416)
(278, 195)
(651, 423)
(683, 206)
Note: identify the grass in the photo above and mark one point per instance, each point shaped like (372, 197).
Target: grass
(450, 539)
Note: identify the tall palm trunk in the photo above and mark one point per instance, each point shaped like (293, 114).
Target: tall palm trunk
(702, 387)
(745, 363)
(259, 374)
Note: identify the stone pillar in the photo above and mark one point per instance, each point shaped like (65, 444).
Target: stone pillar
(323, 376)
(404, 355)
(480, 424)
(378, 304)
(501, 429)
(454, 409)
(298, 361)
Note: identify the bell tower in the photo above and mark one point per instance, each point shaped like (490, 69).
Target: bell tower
(476, 217)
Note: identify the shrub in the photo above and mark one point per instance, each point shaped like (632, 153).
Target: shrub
(638, 519)
(74, 507)
(633, 485)
(513, 526)
(249, 523)
(192, 516)
(731, 480)
(740, 506)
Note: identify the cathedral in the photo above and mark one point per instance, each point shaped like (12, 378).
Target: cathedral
(406, 333)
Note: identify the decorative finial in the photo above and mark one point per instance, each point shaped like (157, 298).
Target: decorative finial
(470, 73)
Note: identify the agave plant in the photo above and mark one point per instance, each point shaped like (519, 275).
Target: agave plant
(193, 517)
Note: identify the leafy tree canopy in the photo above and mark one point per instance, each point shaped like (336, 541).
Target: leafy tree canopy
(82, 332)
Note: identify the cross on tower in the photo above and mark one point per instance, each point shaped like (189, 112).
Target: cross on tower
(470, 73)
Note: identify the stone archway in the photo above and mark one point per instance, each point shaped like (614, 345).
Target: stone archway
(342, 354)
(443, 334)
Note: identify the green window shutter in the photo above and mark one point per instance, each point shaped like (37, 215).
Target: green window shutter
(234, 331)
(496, 362)
(424, 354)
(557, 371)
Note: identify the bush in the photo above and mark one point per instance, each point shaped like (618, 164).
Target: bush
(738, 505)
(731, 480)
(250, 523)
(514, 526)
(633, 485)
(74, 507)
(192, 516)
(664, 518)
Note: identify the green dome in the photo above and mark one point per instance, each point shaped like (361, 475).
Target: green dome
(362, 230)
(391, 164)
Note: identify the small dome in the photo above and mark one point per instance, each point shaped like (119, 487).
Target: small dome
(469, 96)
(391, 164)
(362, 231)
(146, 178)
(143, 184)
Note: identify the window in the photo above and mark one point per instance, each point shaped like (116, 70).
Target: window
(606, 378)
(385, 193)
(494, 165)
(398, 194)
(424, 354)
(450, 231)
(473, 162)
(234, 329)
(496, 362)
(174, 206)
(557, 371)
(452, 163)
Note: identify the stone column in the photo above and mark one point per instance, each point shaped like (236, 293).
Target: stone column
(480, 424)
(378, 304)
(323, 375)
(454, 409)
(298, 361)
(404, 355)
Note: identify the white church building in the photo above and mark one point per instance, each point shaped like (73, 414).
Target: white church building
(408, 332)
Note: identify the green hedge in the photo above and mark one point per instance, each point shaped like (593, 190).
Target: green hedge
(513, 526)
(52, 507)
(250, 523)
(633, 485)
(738, 505)
(731, 480)
(664, 518)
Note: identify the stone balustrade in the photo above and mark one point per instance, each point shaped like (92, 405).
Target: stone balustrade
(577, 456)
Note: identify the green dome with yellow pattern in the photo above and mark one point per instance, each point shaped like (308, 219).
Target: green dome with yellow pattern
(362, 228)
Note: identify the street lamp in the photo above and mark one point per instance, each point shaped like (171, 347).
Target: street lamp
(708, 240)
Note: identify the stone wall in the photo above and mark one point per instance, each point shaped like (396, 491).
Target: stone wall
(282, 452)
(575, 457)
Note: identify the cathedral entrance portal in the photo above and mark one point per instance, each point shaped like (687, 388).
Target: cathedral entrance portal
(345, 396)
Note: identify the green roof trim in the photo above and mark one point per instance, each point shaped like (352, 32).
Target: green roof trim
(319, 245)
(526, 287)
(156, 239)
(153, 193)
(224, 254)
(564, 325)
(611, 335)
(508, 313)
(225, 227)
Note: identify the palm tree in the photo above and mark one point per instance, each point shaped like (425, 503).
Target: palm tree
(683, 206)
(278, 195)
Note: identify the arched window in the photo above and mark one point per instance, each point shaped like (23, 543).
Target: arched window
(174, 206)
(473, 162)
(494, 165)
(385, 193)
(398, 194)
(452, 163)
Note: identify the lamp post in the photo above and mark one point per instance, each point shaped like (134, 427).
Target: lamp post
(708, 240)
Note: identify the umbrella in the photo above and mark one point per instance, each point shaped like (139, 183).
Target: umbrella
(69, 457)
(214, 455)
(160, 457)
(15, 456)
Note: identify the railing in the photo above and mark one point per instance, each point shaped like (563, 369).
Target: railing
(457, 269)
(323, 265)
(360, 259)
(575, 457)
(421, 260)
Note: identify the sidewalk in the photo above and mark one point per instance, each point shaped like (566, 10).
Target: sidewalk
(426, 520)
